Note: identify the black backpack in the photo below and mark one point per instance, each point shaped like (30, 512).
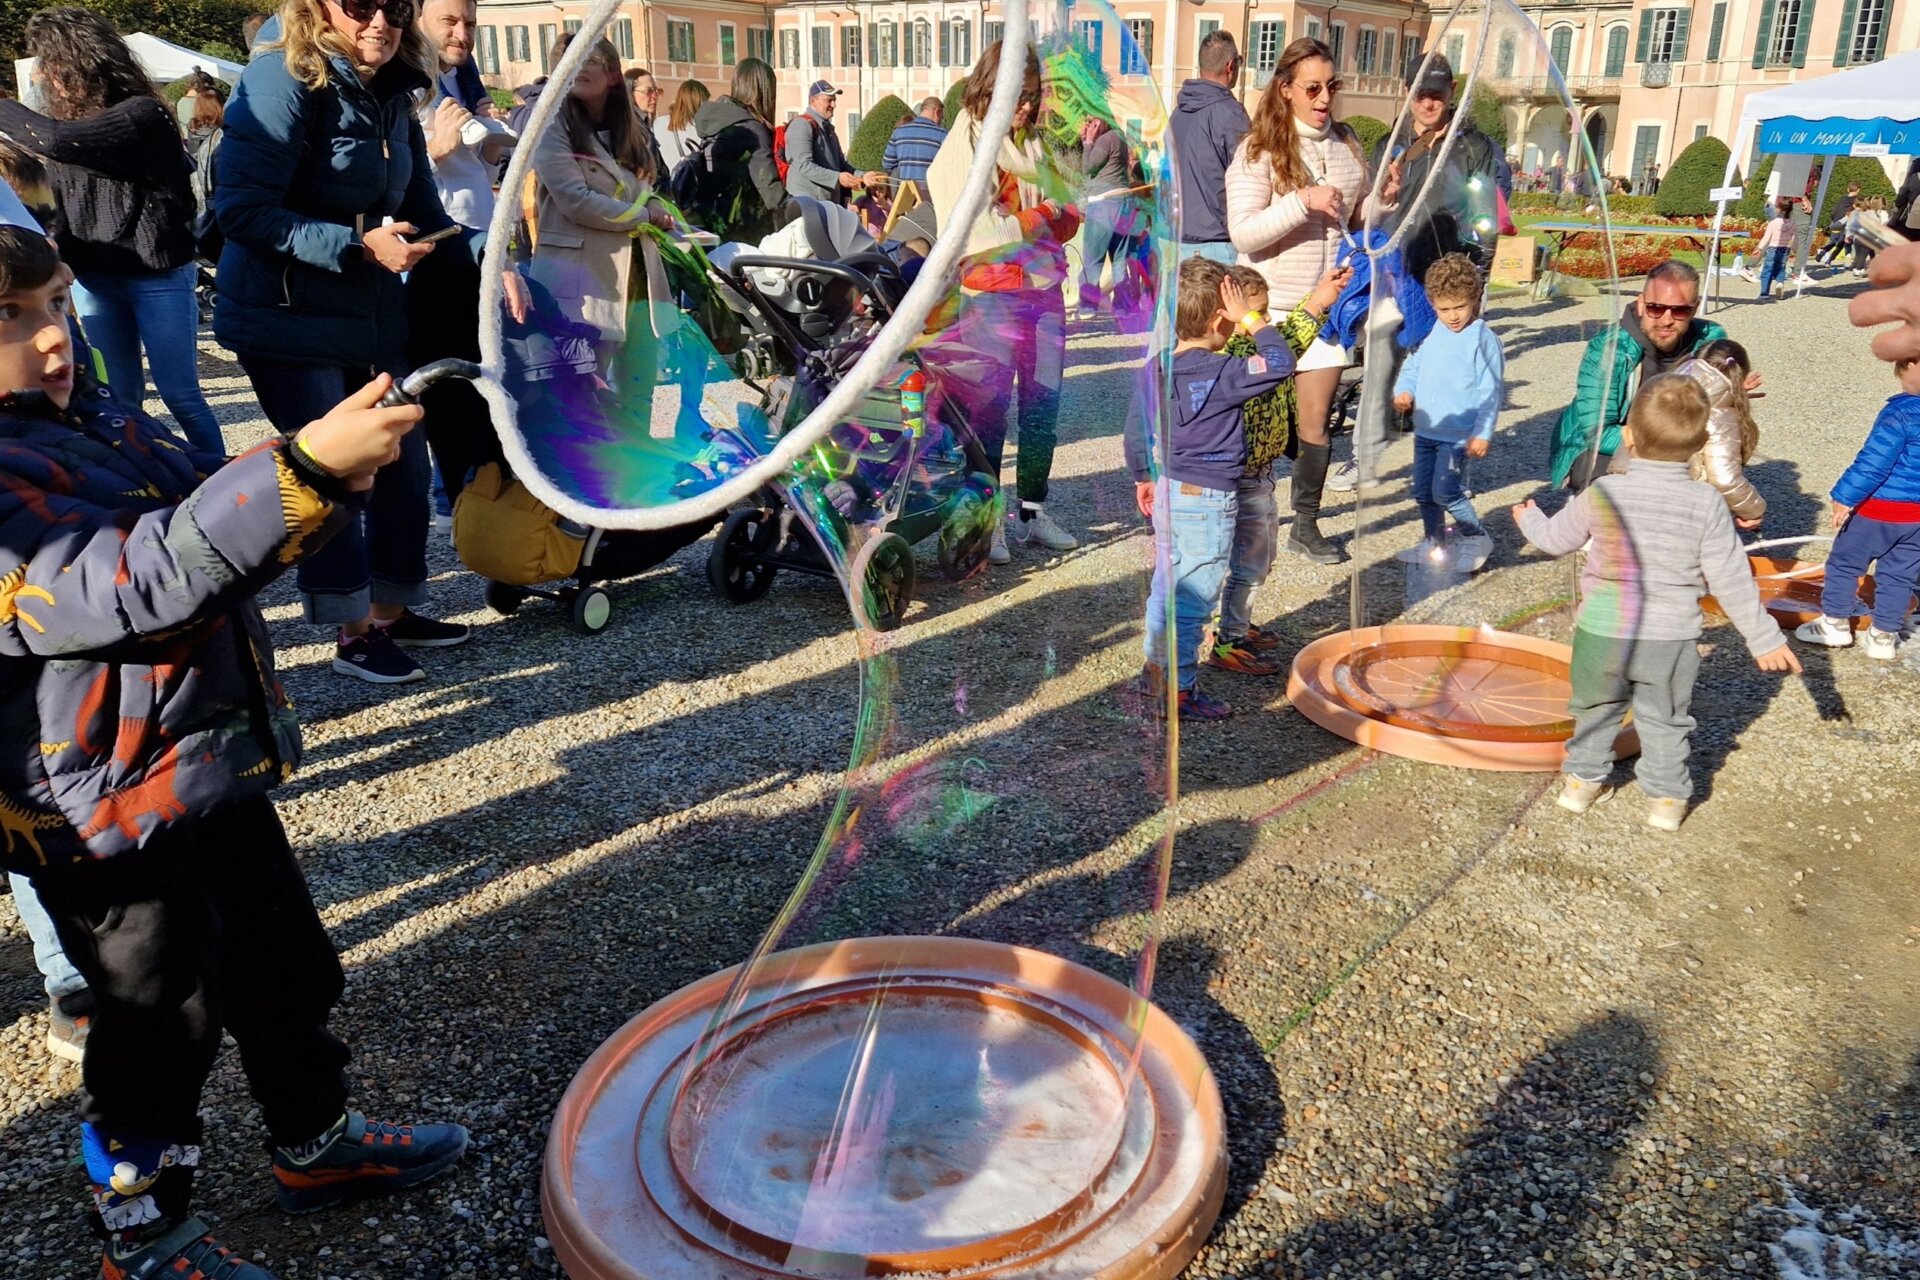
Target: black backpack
(694, 182)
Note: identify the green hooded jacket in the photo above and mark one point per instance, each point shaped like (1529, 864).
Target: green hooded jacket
(1609, 376)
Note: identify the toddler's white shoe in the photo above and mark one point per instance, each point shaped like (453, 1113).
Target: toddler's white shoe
(1834, 633)
(1883, 645)
(1666, 814)
(1579, 795)
(997, 549)
(1425, 549)
(1474, 551)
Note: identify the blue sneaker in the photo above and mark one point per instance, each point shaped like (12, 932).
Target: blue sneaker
(187, 1249)
(366, 1158)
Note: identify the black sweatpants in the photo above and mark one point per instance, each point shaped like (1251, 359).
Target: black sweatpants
(443, 323)
(210, 927)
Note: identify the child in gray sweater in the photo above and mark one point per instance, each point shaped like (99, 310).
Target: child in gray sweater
(1659, 538)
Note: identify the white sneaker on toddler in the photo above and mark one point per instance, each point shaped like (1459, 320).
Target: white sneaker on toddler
(1666, 814)
(1579, 795)
(1834, 633)
(1883, 645)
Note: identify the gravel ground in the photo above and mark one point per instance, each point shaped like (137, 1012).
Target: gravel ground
(1459, 1032)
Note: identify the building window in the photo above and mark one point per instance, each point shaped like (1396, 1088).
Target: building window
(991, 32)
(1456, 52)
(956, 43)
(1338, 43)
(789, 46)
(850, 45)
(1646, 145)
(1869, 34)
(1313, 28)
(729, 44)
(921, 52)
(488, 54)
(548, 34)
(760, 43)
(1367, 51)
(1663, 35)
(623, 36)
(822, 48)
(519, 46)
(1616, 52)
(1716, 34)
(883, 42)
(572, 25)
(679, 40)
(1207, 27)
(1503, 60)
(1387, 64)
(1560, 48)
(1783, 43)
(1136, 54)
(1700, 130)
(1411, 58)
(1263, 53)
(1088, 36)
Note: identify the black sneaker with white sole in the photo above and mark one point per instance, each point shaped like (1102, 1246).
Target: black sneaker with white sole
(411, 631)
(375, 658)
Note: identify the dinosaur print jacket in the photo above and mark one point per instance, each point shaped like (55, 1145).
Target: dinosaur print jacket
(136, 675)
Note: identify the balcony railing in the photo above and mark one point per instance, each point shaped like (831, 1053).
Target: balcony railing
(1588, 87)
(1656, 75)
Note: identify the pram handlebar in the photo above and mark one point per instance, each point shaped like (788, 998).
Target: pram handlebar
(810, 266)
(409, 389)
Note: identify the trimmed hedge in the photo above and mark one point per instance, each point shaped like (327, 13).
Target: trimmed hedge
(1864, 170)
(1635, 207)
(1485, 111)
(869, 144)
(1692, 177)
(952, 109)
(1370, 131)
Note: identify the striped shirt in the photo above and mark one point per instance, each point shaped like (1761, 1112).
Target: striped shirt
(912, 148)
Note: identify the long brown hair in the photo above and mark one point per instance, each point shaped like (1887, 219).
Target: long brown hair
(209, 112)
(1273, 133)
(978, 95)
(686, 104)
(754, 88)
(308, 39)
(86, 65)
(622, 123)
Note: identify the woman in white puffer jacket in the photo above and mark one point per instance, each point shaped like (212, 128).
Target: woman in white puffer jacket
(1297, 184)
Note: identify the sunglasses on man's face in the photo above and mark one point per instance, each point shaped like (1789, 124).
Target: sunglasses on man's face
(1660, 310)
(399, 12)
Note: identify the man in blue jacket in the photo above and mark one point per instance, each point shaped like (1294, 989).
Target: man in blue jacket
(1208, 124)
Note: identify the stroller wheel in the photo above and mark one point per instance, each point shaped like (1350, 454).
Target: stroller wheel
(735, 568)
(592, 607)
(503, 599)
(882, 578)
(966, 534)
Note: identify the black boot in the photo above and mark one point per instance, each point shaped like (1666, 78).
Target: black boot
(1309, 480)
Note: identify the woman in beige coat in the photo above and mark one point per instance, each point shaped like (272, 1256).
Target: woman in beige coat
(594, 190)
(1297, 185)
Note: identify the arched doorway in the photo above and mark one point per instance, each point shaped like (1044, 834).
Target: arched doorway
(1597, 137)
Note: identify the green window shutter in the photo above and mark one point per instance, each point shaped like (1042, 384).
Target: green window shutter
(1765, 33)
(1800, 31)
(1646, 36)
(1682, 21)
(1880, 38)
(1847, 11)
(1717, 32)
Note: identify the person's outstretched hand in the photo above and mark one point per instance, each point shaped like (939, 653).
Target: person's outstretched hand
(1781, 659)
(1894, 299)
(1328, 290)
(357, 437)
(1520, 509)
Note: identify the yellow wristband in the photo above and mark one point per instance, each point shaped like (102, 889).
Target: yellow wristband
(306, 451)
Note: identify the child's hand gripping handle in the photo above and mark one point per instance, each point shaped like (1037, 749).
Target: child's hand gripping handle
(410, 388)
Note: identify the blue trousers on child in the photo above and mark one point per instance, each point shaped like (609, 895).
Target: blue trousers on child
(1193, 538)
(1861, 541)
(1773, 266)
(1440, 487)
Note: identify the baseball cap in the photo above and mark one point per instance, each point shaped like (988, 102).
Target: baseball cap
(1431, 78)
(820, 87)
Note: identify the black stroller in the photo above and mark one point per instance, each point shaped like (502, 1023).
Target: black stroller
(887, 478)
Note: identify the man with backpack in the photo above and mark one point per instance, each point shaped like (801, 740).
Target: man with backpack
(816, 164)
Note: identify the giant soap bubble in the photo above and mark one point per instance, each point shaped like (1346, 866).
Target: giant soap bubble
(942, 1054)
(1456, 651)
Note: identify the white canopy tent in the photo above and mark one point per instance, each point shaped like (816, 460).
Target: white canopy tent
(162, 60)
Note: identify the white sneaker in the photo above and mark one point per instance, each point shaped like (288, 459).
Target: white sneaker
(1666, 814)
(1344, 478)
(1834, 633)
(1425, 549)
(1883, 645)
(1041, 530)
(997, 548)
(1803, 279)
(1579, 795)
(1475, 550)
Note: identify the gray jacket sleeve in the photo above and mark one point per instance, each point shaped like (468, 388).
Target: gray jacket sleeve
(803, 171)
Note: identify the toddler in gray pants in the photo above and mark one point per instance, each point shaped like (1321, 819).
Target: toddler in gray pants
(1660, 538)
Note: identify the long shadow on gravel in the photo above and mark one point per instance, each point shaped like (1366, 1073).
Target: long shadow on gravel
(1524, 1183)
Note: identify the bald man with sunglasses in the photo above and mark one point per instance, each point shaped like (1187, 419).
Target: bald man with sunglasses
(1659, 333)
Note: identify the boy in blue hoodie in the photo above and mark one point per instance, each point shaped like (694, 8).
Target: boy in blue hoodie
(1876, 518)
(1192, 503)
(1452, 385)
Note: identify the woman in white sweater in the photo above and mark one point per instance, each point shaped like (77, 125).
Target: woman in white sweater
(1298, 183)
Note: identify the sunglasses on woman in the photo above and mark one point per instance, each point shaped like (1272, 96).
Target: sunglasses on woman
(1678, 310)
(1330, 87)
(399, 12)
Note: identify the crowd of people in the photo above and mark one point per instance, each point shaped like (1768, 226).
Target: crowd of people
(345, 187)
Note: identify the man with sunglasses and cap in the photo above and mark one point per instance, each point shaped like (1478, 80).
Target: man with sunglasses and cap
(816, 163)
(1659, 333)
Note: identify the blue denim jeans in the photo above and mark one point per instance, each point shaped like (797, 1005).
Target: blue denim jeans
(57, 973)
(1773, 266)
(1193, 538)
(380, 557)
(1256, 536)
(1440, 488)
(122, 314)
(1221, 251)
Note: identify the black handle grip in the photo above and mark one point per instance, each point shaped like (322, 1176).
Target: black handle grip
(409, 389)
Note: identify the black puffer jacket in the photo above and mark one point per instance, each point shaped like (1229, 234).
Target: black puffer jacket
(749, 202)
(123, 181)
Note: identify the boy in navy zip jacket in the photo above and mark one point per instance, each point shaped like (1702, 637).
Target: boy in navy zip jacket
(1192, 505)
(1876, 518)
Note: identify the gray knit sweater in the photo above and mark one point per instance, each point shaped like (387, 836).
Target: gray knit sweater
(1659, 538)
